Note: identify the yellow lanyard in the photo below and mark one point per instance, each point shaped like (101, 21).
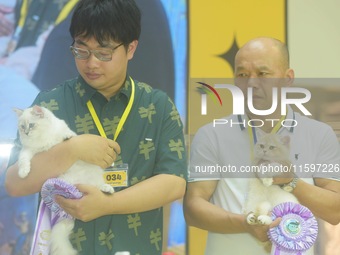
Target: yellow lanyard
(65, 11)
(253, 138)
(121, 121)
(23, 13)
(62, 15)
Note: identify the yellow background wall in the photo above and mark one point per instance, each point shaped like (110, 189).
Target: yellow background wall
(214, 28)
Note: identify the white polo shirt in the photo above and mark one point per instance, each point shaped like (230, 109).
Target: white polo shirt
(228, 146)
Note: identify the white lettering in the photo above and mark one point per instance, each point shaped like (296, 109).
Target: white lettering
(257, 123)
(239, 102)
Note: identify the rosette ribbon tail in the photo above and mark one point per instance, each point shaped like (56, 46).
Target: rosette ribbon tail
(276, 251)
(41, 242)
(51, 213)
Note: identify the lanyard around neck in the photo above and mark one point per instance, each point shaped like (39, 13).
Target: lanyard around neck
(62, 15)
(121, 121)
(23, 13)
(65, 11)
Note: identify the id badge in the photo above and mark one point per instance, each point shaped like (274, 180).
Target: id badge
(117, 175)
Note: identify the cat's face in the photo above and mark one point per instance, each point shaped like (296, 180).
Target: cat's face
(272, 147)
(31, 121)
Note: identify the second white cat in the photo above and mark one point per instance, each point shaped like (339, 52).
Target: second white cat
(262, 195)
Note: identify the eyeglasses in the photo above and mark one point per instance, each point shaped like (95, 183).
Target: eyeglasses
(102, 55)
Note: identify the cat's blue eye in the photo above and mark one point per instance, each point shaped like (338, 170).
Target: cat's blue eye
(31, 125)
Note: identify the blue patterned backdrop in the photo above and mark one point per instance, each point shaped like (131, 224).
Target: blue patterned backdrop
(177, 15)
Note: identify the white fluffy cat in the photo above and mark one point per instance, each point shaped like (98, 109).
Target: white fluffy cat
(262, 195)
(39, 130)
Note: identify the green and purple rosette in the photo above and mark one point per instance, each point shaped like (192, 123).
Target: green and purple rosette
(53, 187)
(50, 212)
(296, 232)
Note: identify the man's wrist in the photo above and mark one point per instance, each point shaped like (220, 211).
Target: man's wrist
(290, 186)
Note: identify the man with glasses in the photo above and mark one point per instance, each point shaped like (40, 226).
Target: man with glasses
(153, 49)
(118, 120)
(103, 55)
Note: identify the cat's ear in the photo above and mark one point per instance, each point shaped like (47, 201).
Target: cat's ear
(37, 111)
(18, 111)
(285, 140)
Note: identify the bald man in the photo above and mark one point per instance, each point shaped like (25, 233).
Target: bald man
(216, 204)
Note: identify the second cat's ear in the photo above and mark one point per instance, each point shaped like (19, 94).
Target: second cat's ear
(285, 140)
(18, 111)
(38, 111)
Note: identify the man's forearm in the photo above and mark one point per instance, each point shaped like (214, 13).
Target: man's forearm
(149, 194)
(44, 165)
(205, 215)
(324, 201)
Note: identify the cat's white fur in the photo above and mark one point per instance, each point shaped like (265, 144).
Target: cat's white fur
(262, 195)
(40, 130)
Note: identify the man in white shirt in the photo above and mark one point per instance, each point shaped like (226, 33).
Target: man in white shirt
(215, 204)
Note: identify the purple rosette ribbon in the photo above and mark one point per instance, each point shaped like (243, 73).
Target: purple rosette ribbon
(296, 232)
(53, 187)
(50, 212)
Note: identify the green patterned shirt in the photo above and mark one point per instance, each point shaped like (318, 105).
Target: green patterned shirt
(151, 143)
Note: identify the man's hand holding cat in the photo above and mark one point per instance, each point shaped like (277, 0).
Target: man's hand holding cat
(261, 231)
(95, 149)
(283, 179)
(87, 208)
(286, 176)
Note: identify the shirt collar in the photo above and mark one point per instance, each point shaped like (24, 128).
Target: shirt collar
(86, 92)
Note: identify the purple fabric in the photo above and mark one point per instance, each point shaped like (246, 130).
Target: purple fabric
(297, 230)
(36, 249)
(54, 187)
(50, 212)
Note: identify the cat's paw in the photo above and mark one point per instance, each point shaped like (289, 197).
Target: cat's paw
(24, 170)
(251, 219)
(107, 188)
(267, 181)
(264, 220)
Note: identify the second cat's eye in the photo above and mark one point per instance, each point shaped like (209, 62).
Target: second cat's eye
(271, 147)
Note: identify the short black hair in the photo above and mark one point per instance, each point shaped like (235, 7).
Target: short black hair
(105, 20)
